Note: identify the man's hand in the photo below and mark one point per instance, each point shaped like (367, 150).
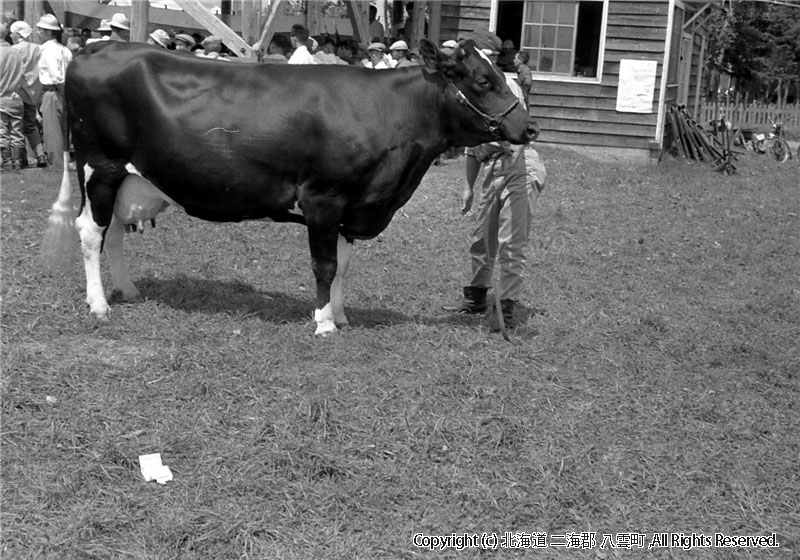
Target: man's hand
(467, 197)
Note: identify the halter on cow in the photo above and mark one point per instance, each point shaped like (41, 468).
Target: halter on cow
(339, 150)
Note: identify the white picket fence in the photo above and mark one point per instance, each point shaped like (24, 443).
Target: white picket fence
(752, 116)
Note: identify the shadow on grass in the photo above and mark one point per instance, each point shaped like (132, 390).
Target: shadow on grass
(230, 296)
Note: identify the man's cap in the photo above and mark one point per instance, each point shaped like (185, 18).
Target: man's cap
(508, 44)
(119, 21)
(104, 25)
(399, 46)
(377, 47)
(450, 44)
(186, 38)
(21, 28)
(48, 21)
(210, 40)
(161, 37)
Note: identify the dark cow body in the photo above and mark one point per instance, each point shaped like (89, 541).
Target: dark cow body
(339, 149)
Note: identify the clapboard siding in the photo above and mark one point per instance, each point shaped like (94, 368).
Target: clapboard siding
(584, 113)
(462, 17)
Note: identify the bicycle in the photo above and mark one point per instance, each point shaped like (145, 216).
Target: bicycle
(773, 144)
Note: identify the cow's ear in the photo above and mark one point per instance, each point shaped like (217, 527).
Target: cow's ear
(434, 58)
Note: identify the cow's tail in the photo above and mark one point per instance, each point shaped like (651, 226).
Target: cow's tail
(60, 243)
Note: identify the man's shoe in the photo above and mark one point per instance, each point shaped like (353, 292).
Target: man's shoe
(41, 161)
(473, 302)
(507, 308)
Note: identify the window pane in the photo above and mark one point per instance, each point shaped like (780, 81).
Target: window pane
(563, 60)
(548, 36)
(546, 61)
(566, 13)
(550, 13)
(532, 35)
(534, 12)
(564, 38)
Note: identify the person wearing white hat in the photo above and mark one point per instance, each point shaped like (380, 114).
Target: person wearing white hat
(120, 27)
(104, 30)
(377, 57)
(159, 38)
(31, 91)
(399, 53)
(53, 61)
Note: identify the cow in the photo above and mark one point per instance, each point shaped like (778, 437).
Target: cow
(337, 149)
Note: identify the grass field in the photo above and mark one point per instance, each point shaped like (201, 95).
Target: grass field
(656, 393)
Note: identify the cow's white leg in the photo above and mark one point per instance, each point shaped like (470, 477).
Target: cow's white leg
(91, 240)
(120, 273)
(344, 251)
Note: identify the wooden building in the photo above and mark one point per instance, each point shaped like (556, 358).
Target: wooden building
(605, 72)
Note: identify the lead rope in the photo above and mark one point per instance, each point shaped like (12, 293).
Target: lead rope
(496, 281)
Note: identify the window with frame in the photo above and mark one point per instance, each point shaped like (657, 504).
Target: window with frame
(563, 37)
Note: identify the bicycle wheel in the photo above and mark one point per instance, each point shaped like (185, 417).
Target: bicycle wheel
(780, 150)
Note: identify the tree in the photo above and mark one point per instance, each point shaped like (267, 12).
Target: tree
(758, 43)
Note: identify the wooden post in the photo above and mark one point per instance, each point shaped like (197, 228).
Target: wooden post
(33, 11)
(250, 20)
(358, 11)
(140, 20)
(417, 24)
(214, 26)
(435, 23)
(269, 29)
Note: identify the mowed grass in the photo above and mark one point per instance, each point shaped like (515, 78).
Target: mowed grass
(657, 392)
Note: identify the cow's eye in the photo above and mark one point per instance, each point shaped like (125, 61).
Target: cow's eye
(483, 83)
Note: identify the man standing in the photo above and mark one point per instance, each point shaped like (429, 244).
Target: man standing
(12, 140)
(399, 54)
(300, 45)
(53, 61)
(511, 179)
(120, 27)
(31, 91)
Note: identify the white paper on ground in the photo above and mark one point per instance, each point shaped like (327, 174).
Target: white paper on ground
(152, 469)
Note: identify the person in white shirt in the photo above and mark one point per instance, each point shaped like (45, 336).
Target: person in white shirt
(31, 91)
(301, 55)
(53, 61)
(377, 57)
(399, 54)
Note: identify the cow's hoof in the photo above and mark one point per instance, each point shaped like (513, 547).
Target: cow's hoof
(342, 322)
(101, 316)
(325, 329)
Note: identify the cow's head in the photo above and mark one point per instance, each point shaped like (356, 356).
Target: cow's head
(490, 110)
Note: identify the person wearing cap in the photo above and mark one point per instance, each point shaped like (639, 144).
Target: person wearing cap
(212, 48)
(399, 53)
(104, 30)
(301, 54)
(120, 27)
(505, 58)
(31, 91)
(159, 38)
(53, 61)
(511, 177)
(184, 42)
(449, 47)
(12, 78)
(377, 57)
